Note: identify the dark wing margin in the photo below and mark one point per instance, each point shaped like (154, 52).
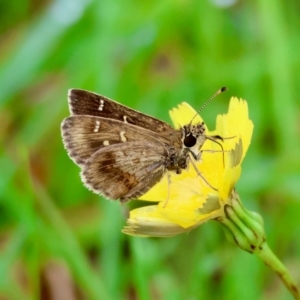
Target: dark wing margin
(83, 102)
(124, 171)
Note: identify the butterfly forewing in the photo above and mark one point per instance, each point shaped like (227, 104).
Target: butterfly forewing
(125, 173)
(84, 135)
(86, 103)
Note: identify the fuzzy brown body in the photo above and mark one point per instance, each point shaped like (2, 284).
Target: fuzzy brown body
(122, 153)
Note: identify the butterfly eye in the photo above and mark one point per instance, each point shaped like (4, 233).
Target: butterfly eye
(189, 141)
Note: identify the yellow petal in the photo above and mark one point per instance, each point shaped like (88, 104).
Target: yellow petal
(231, 172)
(188, 215)
(236, 124)
(230, 178)
(183, 114)
(157, 193)
(147, 221)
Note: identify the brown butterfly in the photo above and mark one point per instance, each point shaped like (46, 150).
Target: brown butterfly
(122, 153)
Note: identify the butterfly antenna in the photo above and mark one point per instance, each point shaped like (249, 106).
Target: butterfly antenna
(219, 91)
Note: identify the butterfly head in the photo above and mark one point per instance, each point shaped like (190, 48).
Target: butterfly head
(193, 137)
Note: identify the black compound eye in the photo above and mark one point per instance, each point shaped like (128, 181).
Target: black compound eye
(189, 141)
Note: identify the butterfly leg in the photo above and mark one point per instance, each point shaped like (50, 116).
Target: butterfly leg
(169, 189)
(214, 139)
(199, 174)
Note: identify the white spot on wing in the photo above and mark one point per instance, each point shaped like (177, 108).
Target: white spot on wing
(105, 143)
(101, 105)
(125, 119)
(123, 137)
(97, 126)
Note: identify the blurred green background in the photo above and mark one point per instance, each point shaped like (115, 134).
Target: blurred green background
(60, 241)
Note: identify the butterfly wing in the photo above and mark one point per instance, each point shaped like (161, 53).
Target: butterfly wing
(127, 170)
(84, 135)
(82, 102)
(122, 152)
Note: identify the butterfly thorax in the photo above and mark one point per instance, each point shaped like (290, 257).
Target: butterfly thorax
(192, 139)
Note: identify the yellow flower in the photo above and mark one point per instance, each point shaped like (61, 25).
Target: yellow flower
(187, 200)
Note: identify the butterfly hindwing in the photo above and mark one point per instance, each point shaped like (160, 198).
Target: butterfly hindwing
(125, 174)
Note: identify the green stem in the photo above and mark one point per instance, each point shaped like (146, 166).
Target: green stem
(246, 230)
(270, 259)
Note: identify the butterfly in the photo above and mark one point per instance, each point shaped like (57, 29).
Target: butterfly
(123, 153)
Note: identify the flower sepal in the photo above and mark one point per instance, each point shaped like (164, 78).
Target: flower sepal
(242, 227)
(245, 229)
